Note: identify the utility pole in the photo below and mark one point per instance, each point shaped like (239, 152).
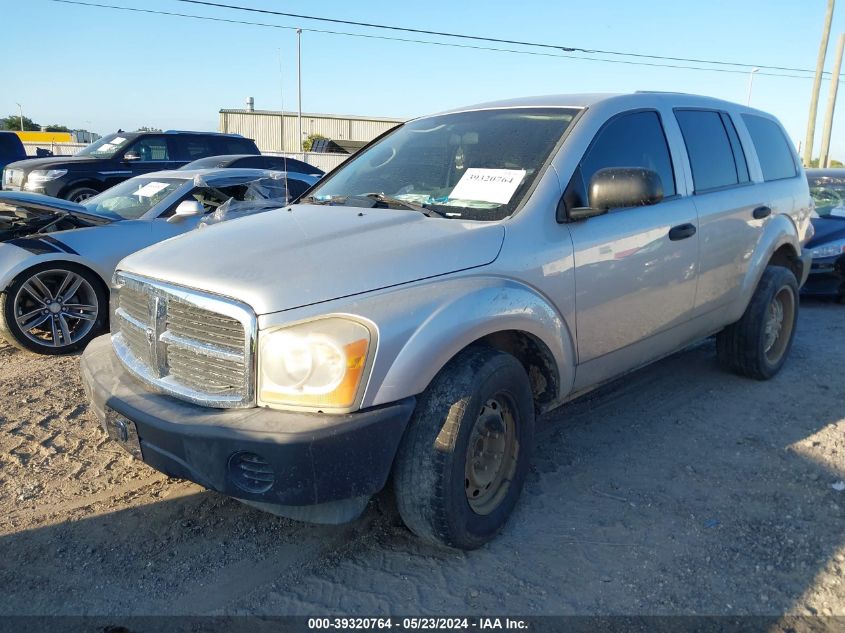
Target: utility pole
(824, 156)
(750, 83)
(20, 112)
(814, 98)
(299, 83)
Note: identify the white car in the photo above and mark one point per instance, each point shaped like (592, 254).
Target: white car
(57, 257)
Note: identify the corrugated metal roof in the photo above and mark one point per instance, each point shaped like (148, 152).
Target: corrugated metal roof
(352, 117)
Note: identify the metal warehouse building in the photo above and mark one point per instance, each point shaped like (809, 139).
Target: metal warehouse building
(276, 132)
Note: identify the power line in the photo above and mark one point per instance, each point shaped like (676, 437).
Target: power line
(416, 41)
(560, 47)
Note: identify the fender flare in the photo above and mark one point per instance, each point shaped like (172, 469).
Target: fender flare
(467, 313)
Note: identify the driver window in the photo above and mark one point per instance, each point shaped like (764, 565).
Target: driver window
(151, 148)
(630, 140)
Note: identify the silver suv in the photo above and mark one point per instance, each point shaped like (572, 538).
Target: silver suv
(407, 320)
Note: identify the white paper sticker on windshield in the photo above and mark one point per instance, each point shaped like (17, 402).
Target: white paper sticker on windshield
(117, 141)
(150, 189)
(488, 185)
(839, 212)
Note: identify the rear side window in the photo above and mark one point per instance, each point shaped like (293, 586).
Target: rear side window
(193, 147)
(232, 145)
(773, 149)
(629, 140)
(713, 160)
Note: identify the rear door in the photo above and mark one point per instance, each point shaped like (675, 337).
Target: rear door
(191, 147)
(633, 280)
(726, 199)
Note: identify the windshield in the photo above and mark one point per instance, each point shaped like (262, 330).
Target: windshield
(829, 195)
(105, 147)
(473, 165)
(132, 198)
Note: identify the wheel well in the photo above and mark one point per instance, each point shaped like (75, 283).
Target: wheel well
(536, 358)
(93, 184)
(787, 257)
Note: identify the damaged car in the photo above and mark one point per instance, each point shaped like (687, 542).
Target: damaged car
(57, 257)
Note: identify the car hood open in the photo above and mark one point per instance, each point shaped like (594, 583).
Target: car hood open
(306, 254)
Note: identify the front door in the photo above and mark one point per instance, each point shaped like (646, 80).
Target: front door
(635, 268)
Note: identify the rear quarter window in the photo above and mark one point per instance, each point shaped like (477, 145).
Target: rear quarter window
(777, 160)
(236, 146)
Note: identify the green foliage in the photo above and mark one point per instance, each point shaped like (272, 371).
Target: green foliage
(833, 163)
(56, 128)
(308, 143)
(13, 122)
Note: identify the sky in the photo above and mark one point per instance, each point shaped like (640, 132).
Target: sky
(103, 69)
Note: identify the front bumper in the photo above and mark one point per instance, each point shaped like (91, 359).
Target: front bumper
(315, 459)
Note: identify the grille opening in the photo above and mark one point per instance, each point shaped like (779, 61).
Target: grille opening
(251, 472)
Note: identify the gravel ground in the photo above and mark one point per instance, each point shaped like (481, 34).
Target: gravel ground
(679, 489)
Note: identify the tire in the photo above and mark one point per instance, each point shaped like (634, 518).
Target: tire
(34, 315)
(746, 347)
(78, 194)
(442, 493)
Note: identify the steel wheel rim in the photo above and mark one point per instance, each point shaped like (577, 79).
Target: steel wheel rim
(491, 457)
(83, 196)
(55, 308)
(780, 319)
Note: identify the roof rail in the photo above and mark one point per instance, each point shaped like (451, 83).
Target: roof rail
(196, 132)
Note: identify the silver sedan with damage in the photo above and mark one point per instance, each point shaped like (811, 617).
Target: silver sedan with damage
(57, 257)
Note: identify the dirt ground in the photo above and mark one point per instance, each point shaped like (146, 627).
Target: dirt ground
(678, 490)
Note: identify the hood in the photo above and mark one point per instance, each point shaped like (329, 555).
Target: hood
(53, 162)
(827, 230)
(306, 254)
(39, 203)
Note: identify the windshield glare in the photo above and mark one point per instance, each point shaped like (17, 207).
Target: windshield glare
(829, 196)
(472, 165)
(105, 147)
(132, 198)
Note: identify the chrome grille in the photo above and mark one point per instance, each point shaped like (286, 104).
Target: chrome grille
(202, 325)
(192, 345)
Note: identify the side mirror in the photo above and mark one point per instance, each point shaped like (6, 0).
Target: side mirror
(186, 209)
(128, 157)
(618, 188)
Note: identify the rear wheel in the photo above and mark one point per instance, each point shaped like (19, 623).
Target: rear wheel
(465, 455)
(757, 345)
(53, 308)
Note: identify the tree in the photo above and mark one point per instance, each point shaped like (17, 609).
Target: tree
(833, 163)
(145, 128)
(13, 122)
(56, 128)
(308, 143)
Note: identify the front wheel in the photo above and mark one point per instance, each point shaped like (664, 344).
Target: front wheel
(757, 345)
(80, 194)
(465, 455)
(53, 308)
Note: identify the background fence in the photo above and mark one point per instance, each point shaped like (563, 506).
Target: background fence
(324, 161)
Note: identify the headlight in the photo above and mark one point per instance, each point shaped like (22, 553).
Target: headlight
(314, 365)
(40, 176)
(828, 250)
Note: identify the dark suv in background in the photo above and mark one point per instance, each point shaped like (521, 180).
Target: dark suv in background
(116, 157)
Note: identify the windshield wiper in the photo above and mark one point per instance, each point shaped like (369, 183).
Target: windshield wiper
(425, 210)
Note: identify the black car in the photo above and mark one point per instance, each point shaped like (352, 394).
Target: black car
(116, 157)
(11, 149)
(827, 274)
(276, 163)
